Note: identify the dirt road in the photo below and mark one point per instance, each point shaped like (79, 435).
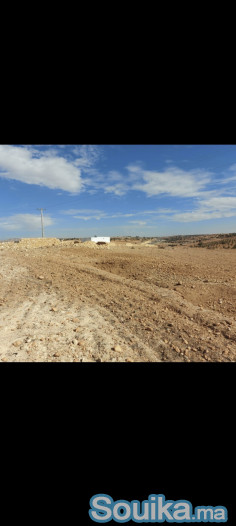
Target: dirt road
(140, 303)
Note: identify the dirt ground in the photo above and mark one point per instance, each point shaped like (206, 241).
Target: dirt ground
(119, 303)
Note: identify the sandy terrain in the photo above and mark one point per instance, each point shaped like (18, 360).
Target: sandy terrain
(123, 302)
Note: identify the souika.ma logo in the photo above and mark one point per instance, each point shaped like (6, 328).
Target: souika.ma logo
(154, 510)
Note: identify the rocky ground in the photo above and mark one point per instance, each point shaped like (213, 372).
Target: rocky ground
(130, 302)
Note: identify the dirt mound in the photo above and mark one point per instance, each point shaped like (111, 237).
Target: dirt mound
(92, 244)
(39, 242)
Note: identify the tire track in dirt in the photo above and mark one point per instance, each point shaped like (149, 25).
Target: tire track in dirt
(172, 306)
(149, 322)
(37, 330)
(47, 329)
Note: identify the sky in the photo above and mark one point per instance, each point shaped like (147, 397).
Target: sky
(117, 190)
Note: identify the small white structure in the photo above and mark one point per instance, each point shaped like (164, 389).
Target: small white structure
(101, 239)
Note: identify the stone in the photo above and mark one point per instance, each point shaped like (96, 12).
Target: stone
(117, 348)
(81, 343)
(176, 349)
(17, 343)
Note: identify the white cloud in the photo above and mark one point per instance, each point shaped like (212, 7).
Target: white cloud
(138, 222)
(95, 214)
(117, 189)
(114, 175)
(158, 211)
(86, 218)
(44, 169)
(88, 155)
(73, 211)
(172, 181)
(200, 215)
(213, 208)
(85, 213)
(219, 203)
(120, 214)
(112, 181)
(25, 222)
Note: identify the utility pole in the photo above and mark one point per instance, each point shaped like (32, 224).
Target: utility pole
(41, 210)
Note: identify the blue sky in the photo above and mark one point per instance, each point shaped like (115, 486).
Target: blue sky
(87, 190)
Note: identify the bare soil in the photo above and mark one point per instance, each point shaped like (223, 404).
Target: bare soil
(128, 302)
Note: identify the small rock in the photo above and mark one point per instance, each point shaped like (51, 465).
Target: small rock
(40, 277)
(82, 343)
(176, 348)
(54, 309)
(56, 354)
(17, 343)
(117, 348)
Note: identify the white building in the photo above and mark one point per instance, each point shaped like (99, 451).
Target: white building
(101, 239)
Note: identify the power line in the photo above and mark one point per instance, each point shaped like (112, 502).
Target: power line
(41, 210)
